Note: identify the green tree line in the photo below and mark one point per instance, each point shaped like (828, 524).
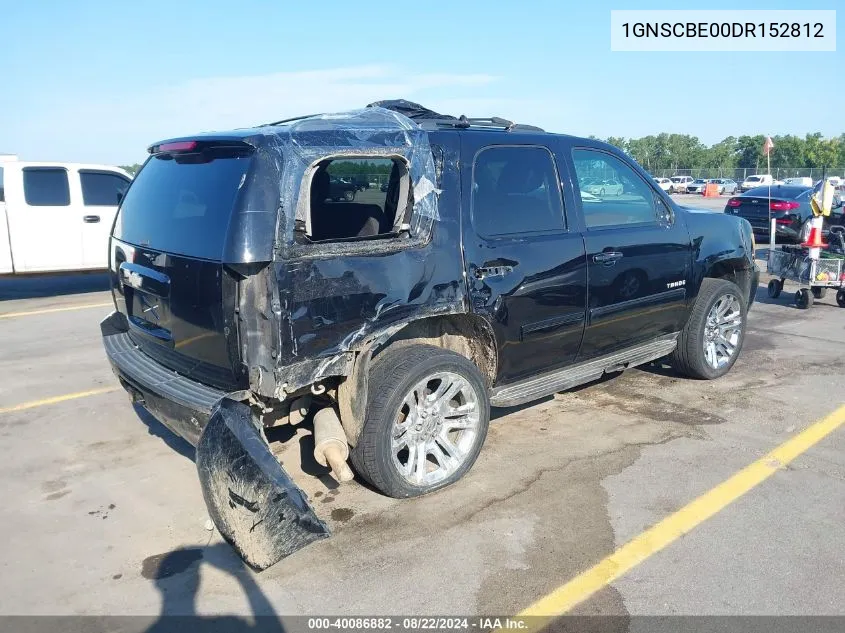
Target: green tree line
(683, 151)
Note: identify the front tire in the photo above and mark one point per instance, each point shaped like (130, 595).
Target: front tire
(427, 418)
(711, 341)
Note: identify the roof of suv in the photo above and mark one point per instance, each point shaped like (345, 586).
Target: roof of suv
(382, 116)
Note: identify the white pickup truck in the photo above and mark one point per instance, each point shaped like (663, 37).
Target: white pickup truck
(57, 216)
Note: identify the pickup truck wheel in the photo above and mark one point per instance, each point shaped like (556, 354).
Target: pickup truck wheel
(710, 342)
(349, 195)
(427, 418)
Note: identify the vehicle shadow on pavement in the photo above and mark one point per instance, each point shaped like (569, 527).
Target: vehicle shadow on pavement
(157, 429)
(177, 577)
(34, 286)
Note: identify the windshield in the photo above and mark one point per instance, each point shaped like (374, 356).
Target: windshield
(183, 205)
(753, 179)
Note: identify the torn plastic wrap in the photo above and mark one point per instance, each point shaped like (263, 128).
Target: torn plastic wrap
(369, 132)
(252, 501)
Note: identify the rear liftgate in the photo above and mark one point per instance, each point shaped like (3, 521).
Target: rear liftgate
(251, 499)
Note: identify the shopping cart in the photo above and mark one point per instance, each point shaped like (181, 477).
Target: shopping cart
(814, 276)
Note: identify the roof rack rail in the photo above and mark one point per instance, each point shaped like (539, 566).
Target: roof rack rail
(463, 122)
(290, 120)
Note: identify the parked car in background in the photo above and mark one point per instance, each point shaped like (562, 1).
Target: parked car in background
(604, 187)
(789, 206)
(798, 181)
(696, 186)
(756, 180)
(679, 183)
(726, 185)
(664, 183)
(57, 216)
(341, 189)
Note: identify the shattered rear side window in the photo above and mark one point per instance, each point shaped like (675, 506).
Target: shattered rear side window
(374, 133)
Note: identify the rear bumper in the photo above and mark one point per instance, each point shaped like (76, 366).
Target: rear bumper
(786, 232)
(252, 501)
(182, 405)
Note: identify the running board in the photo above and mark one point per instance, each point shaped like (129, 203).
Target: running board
(574, 375)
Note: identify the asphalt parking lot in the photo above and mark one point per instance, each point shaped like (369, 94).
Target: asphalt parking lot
(105, 515)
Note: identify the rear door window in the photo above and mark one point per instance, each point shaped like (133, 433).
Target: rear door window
(183, 205)
(515, 190)
(102, 189)
(46, 187)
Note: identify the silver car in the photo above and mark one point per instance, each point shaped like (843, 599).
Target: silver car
(726, 185)
(696, 186)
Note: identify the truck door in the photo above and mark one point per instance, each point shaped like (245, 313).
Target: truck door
(5, 245)
(525, 267)
(45, 220)
(638, 256)
(101, 192)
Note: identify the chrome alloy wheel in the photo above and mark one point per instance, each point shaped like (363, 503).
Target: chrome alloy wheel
(435, 428)
(722, 331)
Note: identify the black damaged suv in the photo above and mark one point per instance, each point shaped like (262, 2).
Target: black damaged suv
(489, 272)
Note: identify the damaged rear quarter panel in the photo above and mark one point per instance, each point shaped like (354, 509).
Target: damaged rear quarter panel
(333, 304)
(336, 297)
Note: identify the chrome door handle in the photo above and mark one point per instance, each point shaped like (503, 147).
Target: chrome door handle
(608, 258)
(90, 219)
(492, 271)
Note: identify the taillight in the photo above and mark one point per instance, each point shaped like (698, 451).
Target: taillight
(175, 146)
(783, 205)
(784, 220)
(734, 202)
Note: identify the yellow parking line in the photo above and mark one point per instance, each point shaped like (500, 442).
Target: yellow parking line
(10, 315)
(68, 396)
(676, 525)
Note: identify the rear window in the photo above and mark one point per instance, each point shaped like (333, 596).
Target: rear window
(183, 205)
(778, 191)
(753, 179)
(46, 187)
(102, 189)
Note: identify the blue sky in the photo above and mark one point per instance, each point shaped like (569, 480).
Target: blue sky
(98, 81)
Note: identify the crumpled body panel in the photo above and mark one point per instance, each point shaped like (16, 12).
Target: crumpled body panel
(251, 499)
